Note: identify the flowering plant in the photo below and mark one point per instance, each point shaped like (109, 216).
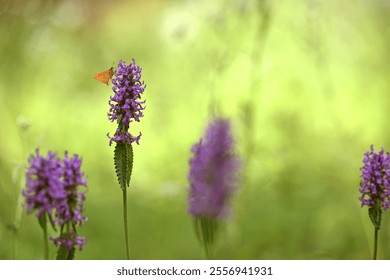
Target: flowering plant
(51, 191)
(375, 187)
(125, 107)
(213, 179)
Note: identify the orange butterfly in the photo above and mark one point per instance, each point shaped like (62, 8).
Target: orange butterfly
(105, 76)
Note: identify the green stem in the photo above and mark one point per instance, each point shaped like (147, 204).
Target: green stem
(14, 239)
(125, 222)
(18, 211)
(375, 243)
(45, 239)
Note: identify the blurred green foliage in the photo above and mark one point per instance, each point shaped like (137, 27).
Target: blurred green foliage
(306, 84)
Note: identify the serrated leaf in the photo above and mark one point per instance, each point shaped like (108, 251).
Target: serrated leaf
(130, 157)
(121, 163)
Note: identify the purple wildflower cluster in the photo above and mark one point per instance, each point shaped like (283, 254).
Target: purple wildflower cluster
(213, 172)
(125, 105)
(375, 184)
(52, 190)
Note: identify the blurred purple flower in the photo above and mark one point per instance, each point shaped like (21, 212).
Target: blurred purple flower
(375, 184)
(44, 185)
(69, 240)
(213, 172)
(125, 105)
(52, 188)
(71, 208)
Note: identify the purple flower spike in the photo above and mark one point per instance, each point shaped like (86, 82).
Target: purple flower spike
(125, 105)
(44, 185)
(71, 208)
(52, 188)
(213, 172)
(375, 184)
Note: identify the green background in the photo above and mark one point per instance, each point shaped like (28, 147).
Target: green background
(305, 83)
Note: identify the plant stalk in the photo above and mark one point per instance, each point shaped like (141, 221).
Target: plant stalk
(375, 243)
(45, 239)
(125, 223)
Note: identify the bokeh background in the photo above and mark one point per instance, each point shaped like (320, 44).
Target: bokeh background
(305, 83)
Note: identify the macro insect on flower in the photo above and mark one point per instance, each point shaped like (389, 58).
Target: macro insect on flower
(126, 106)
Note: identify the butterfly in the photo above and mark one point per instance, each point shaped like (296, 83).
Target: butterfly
(105, 76)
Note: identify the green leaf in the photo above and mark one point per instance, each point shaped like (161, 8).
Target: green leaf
(52, 223)
(206, 229)
(130, 157)
(120, 161)
(64, 254)
(42, 220)
(375, 214)
(71, 254)
(123, 160)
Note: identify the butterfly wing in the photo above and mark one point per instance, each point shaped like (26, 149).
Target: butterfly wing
(105, 76)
